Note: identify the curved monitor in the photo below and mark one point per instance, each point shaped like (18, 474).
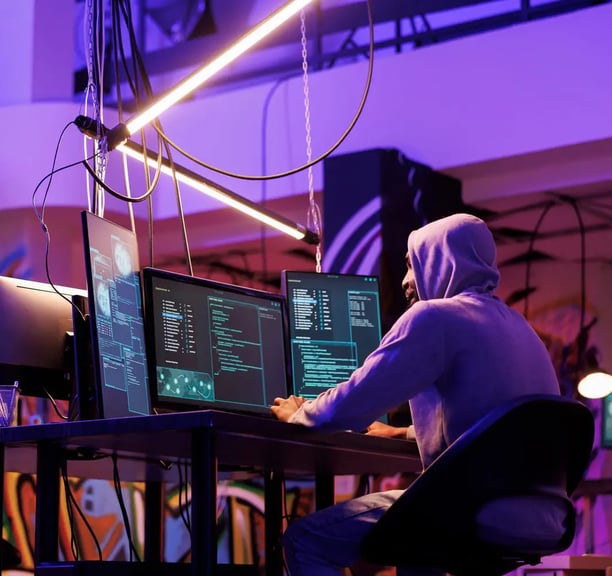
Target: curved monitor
(36, 324)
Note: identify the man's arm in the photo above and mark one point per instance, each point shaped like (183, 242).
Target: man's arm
(283, 408)
(387, 431)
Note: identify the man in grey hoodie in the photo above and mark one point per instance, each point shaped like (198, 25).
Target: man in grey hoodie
(455, 354)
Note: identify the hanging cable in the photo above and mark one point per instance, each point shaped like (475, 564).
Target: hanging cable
(313, 216)
(141, 89)
(40, 212)
(133, 553)
(319, 158)
(116, 42)
(183, 489)
(71, 506)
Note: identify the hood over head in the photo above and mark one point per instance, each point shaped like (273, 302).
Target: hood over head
(452, 255)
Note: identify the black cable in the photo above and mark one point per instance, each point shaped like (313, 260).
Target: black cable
(139, 80)
(70, 502)
(135, 78)
(114, 193)
(597, 208)
(139, 70)
(181, 486)
(126, 520)
(54, 404)
(73, 542)
(181, 214)
(40, 213)
(286, 516)
(138, 63)
(319, 158)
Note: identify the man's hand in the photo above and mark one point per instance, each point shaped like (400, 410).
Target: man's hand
(284, 408)
(387, 431)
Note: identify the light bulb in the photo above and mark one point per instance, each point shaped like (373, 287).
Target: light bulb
(595, 385)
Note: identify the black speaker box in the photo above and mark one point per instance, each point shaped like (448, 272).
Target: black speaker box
(379, 195)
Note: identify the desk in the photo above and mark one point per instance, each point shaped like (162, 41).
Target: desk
(211, 441)
(589, 489)
(563, 565)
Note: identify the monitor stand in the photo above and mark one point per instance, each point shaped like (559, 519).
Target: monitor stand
(84, 402)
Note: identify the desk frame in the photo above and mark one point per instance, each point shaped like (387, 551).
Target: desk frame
(211, 441)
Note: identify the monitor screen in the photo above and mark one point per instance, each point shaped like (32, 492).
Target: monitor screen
(116, 321)
(214, 345)
(334, 323)
(36, 322)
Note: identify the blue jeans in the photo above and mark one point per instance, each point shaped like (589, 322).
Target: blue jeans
(326, 541)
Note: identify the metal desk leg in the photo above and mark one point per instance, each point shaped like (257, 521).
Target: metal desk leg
(48, 465)
(273, 495)
(154, 522)
(203, 503)
(587, 523)
(324, 491)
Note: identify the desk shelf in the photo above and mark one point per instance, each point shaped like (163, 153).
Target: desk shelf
(568, 565)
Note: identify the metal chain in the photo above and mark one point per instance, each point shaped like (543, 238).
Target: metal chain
(91, 93)
(102, 148)
(313, 217)
(91, 89)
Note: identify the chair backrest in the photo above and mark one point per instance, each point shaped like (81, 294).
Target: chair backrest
(536, 445)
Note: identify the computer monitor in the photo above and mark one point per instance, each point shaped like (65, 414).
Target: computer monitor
(214, 345)
(334, 323)
(36, 326)
(118, 346)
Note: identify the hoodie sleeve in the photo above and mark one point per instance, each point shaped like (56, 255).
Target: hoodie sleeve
(409, 359)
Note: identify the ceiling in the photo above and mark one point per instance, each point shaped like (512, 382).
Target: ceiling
(515, 219)
(180, 34)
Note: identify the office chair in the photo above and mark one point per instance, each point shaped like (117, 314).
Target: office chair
(534, 447)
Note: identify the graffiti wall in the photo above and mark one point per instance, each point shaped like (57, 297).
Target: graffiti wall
(91, 525)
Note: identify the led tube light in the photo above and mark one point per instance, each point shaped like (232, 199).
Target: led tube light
(122, 132)
(220, 193)
(595, 385)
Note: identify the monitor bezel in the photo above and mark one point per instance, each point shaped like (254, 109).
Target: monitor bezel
(88, 219)
(163, 403)
(285, 277)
